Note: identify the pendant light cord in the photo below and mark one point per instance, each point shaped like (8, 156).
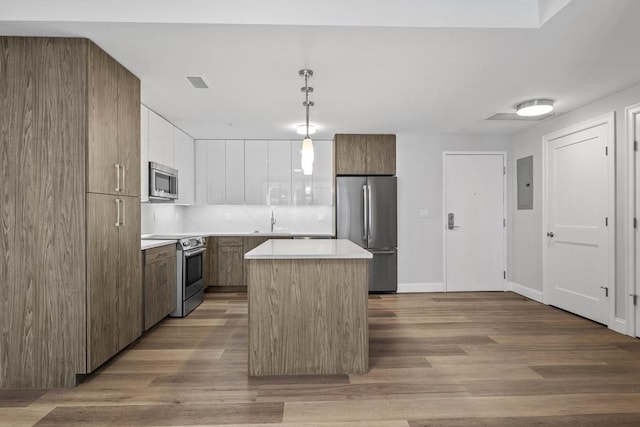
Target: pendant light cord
(306, 102)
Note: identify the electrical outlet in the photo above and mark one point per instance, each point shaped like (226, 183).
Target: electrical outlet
(322, 217)
(227, 216)
(423, 213)
(155, 217)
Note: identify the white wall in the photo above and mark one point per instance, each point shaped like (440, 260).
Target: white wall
(419, 170)
(526, 233)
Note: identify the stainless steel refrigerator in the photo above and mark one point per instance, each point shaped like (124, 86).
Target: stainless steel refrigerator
(367, 215)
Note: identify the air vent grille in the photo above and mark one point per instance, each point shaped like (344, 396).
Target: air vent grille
(515, 117)
(198, 82)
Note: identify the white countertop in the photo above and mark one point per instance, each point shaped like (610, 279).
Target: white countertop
(148, 244)
(312, 248)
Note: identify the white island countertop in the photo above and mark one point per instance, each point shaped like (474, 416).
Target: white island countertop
(311, 249)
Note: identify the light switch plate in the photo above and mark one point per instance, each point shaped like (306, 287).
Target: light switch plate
(227, 216)
(322, 217)
(423, 213)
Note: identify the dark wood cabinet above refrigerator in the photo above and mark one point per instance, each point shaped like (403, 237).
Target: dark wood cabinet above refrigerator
(365, 154)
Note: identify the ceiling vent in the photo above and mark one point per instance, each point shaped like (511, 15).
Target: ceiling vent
(198, 82)
(515, 117)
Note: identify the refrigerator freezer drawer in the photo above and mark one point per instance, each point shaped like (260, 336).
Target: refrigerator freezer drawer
(384, 271)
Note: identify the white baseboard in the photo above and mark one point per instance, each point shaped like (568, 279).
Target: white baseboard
(420, 287)
(525, 291)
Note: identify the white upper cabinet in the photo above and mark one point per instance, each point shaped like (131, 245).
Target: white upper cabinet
(317, 188)
(184, 154)
(210, 172)
(161, 140)
(279, 192)
(261, 172)
(234, 177)
(144, 153)
(255, 172)
(323, 173)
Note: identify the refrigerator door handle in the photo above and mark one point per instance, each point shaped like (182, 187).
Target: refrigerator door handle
(369, 210)
(365, 203)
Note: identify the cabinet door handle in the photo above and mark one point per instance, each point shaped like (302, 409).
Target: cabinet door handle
(118, 178)
(122, 188)
(124, 214)
(117, 213)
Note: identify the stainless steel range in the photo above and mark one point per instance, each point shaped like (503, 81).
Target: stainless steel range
(190, 260)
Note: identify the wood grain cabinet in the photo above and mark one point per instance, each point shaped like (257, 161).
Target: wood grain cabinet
(113, 115)
(227, 267)
(160, 284)
(365, 154)
(70, 268)
(230, 261)
(249, 243)
(114, 279)
(210, 267)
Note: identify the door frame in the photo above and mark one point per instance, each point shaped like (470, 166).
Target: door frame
(444, 209)
(631, 212)
(609, 120)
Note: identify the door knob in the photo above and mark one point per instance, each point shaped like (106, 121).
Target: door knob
(550, 234)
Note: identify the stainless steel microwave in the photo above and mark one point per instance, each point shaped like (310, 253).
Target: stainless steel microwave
(163, 183)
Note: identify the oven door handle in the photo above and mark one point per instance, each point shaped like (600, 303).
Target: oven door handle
(193, 252)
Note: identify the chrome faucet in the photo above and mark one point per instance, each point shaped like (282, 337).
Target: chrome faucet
(273, 219)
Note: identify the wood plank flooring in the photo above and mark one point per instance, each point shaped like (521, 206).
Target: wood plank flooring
(461, 359)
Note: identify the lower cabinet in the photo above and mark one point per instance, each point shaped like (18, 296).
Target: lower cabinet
(160, 284)
(226, 266)
(114, 275)
(230, 261)
(248, 244)
(210, 267)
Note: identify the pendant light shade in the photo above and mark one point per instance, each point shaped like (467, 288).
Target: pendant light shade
(307, 156)
(306, 159)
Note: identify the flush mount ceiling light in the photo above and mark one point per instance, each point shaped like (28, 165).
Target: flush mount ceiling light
(307, 143)
(534, 107)
(302, 130)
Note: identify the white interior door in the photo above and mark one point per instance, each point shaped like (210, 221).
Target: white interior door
(475, 239)
(577, 218)
(637, 235)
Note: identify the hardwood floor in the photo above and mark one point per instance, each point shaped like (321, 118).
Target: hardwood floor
(461, 359)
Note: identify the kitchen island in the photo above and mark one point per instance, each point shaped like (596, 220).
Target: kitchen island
(308, 307)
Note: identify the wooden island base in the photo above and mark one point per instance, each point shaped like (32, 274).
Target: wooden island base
(308, 316)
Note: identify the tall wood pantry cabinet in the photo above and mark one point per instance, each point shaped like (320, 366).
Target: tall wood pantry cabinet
(70, 265)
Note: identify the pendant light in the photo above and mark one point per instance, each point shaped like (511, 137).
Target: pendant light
(307, 144)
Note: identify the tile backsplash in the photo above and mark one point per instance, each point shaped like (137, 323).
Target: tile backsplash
(168, 218)
(161, 218)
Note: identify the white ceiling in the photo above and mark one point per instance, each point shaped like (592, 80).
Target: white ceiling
(445, 73)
